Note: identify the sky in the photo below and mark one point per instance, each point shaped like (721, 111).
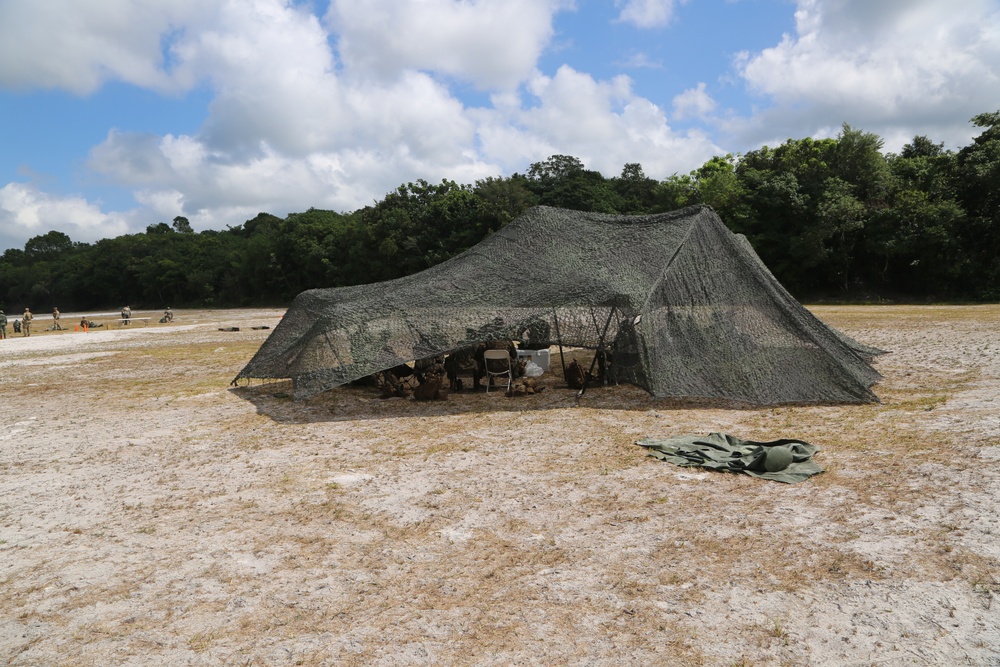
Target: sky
(119, 114)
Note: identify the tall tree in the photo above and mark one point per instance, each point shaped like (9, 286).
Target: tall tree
(563, 182)
(911, 243)
(783, 186)
(47, 247)
(979, 192)
(183, 225)
(500, 200)
(636, 191)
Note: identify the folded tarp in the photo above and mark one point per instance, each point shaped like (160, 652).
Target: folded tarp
(785, 460)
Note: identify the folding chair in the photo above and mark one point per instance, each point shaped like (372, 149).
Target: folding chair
(494, 359)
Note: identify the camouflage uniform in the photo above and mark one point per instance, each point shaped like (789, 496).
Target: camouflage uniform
(26, 322)
(3, 325)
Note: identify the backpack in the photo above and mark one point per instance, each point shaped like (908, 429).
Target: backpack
(575, 375)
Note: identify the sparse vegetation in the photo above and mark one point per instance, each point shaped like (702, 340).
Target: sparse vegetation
(171, 518)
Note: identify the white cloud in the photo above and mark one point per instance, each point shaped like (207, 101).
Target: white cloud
(491, 43)
(331, 113)
(639, 60)
(288, 129)
(27, 212)
(602, 122)
(693, 103)
(412, 129)
(132, 158)
(279, 94)
(920, 64)
(409, 130)
(78, 45)
(272, 68)
(646, 13)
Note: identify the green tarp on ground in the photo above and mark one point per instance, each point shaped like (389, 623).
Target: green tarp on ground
(785, 460)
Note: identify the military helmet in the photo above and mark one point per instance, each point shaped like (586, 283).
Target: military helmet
(777, 458)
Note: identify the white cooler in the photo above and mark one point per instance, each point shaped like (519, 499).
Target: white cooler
(540, 357)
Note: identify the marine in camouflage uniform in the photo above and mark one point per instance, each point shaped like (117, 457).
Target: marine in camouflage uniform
(3, 325)
(26, 322)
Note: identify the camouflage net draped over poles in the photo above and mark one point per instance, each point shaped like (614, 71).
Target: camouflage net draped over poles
(686, 309)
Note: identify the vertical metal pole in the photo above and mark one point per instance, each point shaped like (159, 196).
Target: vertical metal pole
(562, 357)
(600, 345)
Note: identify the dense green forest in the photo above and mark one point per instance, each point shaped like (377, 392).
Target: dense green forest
(832, 218)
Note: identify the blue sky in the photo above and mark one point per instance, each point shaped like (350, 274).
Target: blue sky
(118, 114)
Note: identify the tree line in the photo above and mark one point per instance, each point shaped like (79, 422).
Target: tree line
(832, 218)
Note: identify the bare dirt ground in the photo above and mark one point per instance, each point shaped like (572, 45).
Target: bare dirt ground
(150, 514)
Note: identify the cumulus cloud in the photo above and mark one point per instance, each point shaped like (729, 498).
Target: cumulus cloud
(645, 13)
(78, 45)
(490, 43)
(330, 111)
(25, 212)
(859, 62)
(132, 158)
(604, 123)
(411, 129)
(290, 126)
(693, 103)
(273, 71)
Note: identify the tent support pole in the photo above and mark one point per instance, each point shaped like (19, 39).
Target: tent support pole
(600, 347)
(600, 342)
(601, 352)
(562, 357)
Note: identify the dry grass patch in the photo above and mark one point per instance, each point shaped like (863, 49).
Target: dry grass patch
(212, 525)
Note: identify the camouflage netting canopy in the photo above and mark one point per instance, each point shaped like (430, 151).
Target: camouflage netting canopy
(684, 307)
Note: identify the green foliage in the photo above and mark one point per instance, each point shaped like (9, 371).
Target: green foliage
(563, 182)
(636, 191)
(500, 200)
(48, 247)
(675, 192)
(419, 225)
(555, 168)
(978, 191)
(830, 217)
(857, 159)
(183, 225)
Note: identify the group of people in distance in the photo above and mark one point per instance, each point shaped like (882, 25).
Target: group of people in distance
(23, 325)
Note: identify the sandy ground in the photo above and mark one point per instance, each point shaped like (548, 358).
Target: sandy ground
(150, 514)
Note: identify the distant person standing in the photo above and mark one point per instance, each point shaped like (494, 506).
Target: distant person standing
(26, 322)
(55, 320)
(3, 325)
(126, 315)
